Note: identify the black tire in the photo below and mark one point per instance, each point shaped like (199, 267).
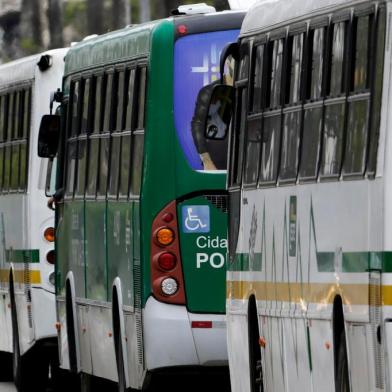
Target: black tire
(31, 370)
(255, 366)
(342, 378)
(6, 367)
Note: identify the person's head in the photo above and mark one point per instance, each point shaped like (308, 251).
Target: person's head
(228, 71)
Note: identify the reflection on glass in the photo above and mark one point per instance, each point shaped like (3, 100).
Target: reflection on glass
(357, 136)
(276, 73)
(332, 140)
(317, 63)
(114, 165)
(81, 179)
(270, 149)
(71, 159)
(15, 168)
(290, 146)
(253, 147)
(137, 163)
(92, 166)
(257, 78)
(296, 68)
(361, 53)
(311, 139)
(337, 62)
(125, 167)
(103, 166)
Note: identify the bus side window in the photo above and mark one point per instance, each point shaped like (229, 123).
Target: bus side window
(138, 136)
(126, 138)
(378, 43)
(8, 147)
(292, 114)
(273, 115)
(335, 104)
(359, 98)
(82, 139)
(93, 139)
(14, 185)
(253, 136)
(3, 123)
(25, 140)
(104, 142)
(313, 108)
(240, 118)
(72, 133)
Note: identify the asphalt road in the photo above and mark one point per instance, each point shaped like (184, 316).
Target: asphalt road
(7, 387)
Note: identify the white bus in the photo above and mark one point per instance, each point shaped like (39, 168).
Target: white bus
(27, 292)
(309, 288)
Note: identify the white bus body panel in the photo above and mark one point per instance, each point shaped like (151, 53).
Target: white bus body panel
(25, 216)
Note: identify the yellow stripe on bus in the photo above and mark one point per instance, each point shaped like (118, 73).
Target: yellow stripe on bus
(323, 293)
(21, 276)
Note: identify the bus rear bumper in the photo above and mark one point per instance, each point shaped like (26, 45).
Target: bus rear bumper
(174, 337)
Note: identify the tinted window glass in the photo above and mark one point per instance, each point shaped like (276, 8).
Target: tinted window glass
(103, 166)
(17, 117)
(130, 99)
(290, 145)
(7, 168)
(99, 91)
(332, 140)
(137, 163)
(114, 165)
(14, 184)
(86, 106)
(92, 167)
(75, 104)
(270, 149)
(253, 145)
(275, 73)
(361, 53)
(26, 114)
(10, 127)
(296, 44)
(311, 140)
(82, 159)
(1, 166)
(108, 103)
(141, 97)
(240, 134)
(257, 79)
(3, 117)
(337, 58)
(71, 168)
(357, 136)
(23, 166)
(120, 101)
(125, 167)
(315, 69)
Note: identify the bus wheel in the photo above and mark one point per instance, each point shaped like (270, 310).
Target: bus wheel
(5, 367)
(120, 367)
(342, 379)
(255, 366)
(30, 371)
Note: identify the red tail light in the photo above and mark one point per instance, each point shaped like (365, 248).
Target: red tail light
(166, 270)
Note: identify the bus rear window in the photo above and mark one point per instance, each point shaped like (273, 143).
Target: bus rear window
(196, 64)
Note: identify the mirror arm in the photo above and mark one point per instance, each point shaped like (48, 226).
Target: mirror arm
(55, 96)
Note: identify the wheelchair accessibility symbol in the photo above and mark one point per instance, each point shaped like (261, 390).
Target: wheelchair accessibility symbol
(196, 219)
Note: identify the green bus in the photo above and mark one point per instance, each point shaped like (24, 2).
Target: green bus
(141, 224)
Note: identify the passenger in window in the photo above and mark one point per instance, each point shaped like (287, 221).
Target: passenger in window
(209, 130)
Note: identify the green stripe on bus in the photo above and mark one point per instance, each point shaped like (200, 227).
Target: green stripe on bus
(22, 255)
(351, 262)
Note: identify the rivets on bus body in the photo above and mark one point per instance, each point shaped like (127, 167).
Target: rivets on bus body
(9, 306)
(29, 307)
(327, 345)
(262, 341)
(110, 334)
(58, 326)
(126, 339)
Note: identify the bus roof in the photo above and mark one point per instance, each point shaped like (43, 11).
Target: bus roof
(268, 14)
(118, 45)
(24, 69)
(134, 41)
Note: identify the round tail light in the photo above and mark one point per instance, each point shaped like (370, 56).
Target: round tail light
(51, 257)
(169, 286)
(165, 236)
(167, 261)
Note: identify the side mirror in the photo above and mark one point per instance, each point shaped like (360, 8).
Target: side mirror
(48, 138)
(220, 111)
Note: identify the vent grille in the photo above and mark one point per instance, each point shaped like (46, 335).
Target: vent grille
(375, 322)
(138, 309)
(27, 290)
(219, 201)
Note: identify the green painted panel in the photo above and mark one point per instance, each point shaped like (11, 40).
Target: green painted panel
(351, 262)
(70, 246)
(22, 256)
(120, 238)
(111, 48)
(96, 267)
(203, 257)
